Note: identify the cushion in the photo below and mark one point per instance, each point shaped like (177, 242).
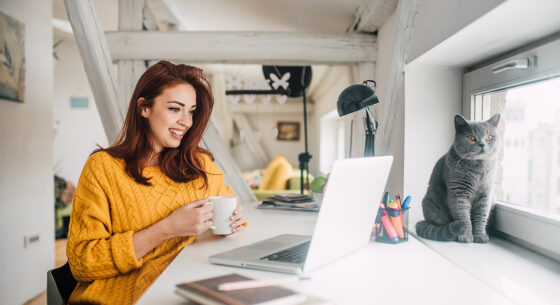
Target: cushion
(276, 174)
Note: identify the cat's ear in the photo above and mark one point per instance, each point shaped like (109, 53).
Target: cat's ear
(460, 122)
(494, 120)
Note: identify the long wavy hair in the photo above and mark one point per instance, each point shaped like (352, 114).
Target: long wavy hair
(181, 164)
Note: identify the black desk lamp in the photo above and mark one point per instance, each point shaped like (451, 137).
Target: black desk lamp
(357, 97)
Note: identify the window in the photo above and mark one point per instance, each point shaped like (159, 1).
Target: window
(525, 89)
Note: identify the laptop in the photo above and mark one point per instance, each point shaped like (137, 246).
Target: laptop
(354, 191)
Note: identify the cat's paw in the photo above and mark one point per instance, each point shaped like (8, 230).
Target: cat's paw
(482, 238)
(465, 238)
(458, 227)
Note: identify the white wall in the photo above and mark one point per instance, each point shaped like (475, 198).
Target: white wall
(440, 19)
(264, 122)
(26, 166)
(334, 81)
(432, 97)
(79, 129)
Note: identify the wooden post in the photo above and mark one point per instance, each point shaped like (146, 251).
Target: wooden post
(131, 18)
(223, 159)
(97, 63)
(394, 103)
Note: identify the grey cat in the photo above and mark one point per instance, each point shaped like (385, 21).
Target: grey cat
(457, 202)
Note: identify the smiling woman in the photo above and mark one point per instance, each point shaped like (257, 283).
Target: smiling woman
(140, 201)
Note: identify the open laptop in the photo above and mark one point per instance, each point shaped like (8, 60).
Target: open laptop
(354, 191)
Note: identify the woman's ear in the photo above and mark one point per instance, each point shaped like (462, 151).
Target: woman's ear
(144, 111)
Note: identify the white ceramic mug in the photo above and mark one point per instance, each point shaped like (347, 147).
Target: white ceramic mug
(223, 210)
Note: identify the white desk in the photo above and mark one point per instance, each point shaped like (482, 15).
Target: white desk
(406, 273)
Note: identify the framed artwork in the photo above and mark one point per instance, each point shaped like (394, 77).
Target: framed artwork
(288, 131)
(12, 59)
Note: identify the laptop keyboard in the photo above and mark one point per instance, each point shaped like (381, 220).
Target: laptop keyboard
(296, 254)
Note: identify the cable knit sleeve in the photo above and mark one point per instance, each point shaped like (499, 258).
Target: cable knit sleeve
(94, 251)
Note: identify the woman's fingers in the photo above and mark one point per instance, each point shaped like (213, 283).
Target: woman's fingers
(198, 203)
(237, 223)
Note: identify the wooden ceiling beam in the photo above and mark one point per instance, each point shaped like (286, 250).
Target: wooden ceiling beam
(371, 15)
(278, 48)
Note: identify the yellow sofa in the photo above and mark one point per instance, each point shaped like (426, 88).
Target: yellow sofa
(279, 177)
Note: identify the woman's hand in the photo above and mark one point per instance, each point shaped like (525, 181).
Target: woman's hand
(191, 219)
(237, 221)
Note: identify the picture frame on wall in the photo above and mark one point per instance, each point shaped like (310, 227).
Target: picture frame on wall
(12, 59)
(288, 131)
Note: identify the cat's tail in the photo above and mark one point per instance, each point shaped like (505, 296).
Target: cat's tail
(448, 232)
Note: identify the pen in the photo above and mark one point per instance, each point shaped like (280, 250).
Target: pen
(256, 283)
(406, 203)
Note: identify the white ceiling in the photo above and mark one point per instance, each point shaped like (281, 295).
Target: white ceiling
(324, 16)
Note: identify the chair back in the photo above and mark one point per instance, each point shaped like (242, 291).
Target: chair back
(60, 284)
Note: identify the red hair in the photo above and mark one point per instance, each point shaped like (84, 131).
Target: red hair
(181, 164)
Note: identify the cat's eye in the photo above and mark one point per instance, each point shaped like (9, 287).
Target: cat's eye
(489, 138)
(470, 138)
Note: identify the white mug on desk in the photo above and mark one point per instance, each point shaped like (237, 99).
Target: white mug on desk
(223, 210)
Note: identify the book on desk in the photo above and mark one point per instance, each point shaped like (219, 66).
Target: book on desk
(291, 201)
(206, 292)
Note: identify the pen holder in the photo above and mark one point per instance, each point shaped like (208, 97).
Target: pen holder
(390, 226)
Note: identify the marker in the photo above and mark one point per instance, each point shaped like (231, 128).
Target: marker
(395, 218)
(406, 203)
(387, 224)
(385, 199)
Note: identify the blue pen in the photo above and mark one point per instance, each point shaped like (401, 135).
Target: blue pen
(406, 203)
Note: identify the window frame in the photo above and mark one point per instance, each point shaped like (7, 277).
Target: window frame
(536, 230)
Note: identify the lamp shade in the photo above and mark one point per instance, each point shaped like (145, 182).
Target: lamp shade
(354, 98)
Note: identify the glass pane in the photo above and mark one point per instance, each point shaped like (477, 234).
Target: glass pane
(529, 174)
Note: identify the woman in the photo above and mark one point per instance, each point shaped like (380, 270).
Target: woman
(140, 201)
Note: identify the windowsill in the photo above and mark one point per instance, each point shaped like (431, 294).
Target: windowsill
(520, 274)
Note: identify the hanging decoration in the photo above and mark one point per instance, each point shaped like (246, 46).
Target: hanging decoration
(259, 91)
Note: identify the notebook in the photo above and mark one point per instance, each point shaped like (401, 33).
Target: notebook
(354, 190)
(206, 292)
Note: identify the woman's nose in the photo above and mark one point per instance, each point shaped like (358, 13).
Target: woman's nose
(185, 120)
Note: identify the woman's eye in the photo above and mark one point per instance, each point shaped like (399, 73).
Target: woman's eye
(489, 138)
(174, 109)
(470, 138)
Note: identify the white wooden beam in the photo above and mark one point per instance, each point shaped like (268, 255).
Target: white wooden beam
(131, 17)
(244, 47)
(407, 12)
(97, 63)
(221, 114)
(372, 14)
(223, 159)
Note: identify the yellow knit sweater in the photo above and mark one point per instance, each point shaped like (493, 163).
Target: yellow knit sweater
(108, 207)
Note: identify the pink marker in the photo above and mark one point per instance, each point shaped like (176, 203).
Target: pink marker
(387, 224)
